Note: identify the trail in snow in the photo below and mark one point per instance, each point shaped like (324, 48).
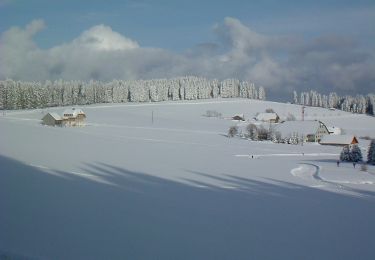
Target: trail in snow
(258, 156)
(312, 171)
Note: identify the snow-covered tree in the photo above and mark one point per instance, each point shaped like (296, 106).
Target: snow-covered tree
(261, 93)
(371, 152)
(295, 97)
(345, 154)
(355, 153)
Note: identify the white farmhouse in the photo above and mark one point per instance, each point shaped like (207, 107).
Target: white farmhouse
(74, 117)
(70, 117)
(268, 117)
(309, 130)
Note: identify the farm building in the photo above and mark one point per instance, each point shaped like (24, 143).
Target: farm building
(338, 140)
(268, 117)
(74, 117)
(52, 119)
(71, 117)
(310, 131)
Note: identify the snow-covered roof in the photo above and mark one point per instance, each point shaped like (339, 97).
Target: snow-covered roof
(266, 116)
(54, 115)
(300, 127)
(73, 112)
(338, 139)
(334, 130)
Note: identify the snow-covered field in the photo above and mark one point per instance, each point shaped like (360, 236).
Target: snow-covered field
(127, 186)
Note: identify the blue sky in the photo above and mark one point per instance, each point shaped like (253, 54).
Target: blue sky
(179, 28)
(181, 24)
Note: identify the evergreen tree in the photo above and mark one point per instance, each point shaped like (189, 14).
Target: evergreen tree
(371, 153)
(345, 154)
(355, 153)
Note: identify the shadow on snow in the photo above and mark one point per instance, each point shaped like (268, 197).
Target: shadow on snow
(141, 216)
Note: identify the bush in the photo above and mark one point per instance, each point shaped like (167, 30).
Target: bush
(233, 130)
(252, 132)
(270, 110)
(364, 167)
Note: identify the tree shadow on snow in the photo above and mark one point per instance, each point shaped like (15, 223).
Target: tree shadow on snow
(110, 212)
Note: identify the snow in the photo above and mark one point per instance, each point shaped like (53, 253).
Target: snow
(266, 117)
(73, 112)
(301, 127)
(55, 116)
(129, 187)
(337, 139)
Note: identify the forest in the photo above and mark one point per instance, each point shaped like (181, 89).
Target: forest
(28, 95)
(359, 104)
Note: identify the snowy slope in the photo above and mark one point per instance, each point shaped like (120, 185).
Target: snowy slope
(127, 187)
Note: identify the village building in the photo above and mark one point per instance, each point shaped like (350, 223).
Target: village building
(74, 117)
(52, 119)
(268, 117)
(338, 140)
(70, 117)
(309, 130)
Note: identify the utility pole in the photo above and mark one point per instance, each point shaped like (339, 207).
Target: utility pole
(303, 113)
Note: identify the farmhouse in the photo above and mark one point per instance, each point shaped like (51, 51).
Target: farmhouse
(338, 140)
(74, 117)
(52, 119)
(268, 117)
(71, 117)
(310, 131)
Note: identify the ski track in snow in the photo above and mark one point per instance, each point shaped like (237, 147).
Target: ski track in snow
(309, 170)
(258, 156)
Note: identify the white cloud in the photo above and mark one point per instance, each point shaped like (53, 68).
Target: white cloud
(278, 63)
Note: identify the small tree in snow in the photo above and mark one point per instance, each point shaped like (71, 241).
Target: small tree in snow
(344, 155)
(269, 110)
(371, 153)
(263, 133)
(233, 130)
(355, 153)
(252, 131)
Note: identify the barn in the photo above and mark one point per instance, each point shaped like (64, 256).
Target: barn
(52, 119)
(338, 140)
(268, 117)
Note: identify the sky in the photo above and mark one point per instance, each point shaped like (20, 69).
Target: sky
(281, 45)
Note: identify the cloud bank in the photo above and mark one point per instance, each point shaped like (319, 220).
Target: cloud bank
(279, 63)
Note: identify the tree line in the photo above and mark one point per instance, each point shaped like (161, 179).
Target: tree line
(359, 104)
(27, 95)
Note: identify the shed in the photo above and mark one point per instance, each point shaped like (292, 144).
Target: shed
(268, 117)
(52, 119)
(338, 140)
